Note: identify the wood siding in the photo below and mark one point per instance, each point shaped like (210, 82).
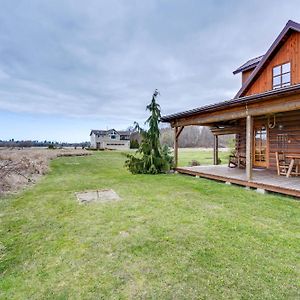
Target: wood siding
(284, 137)
(290, 130)
(246, 74)
(289, 52)
(240, 140)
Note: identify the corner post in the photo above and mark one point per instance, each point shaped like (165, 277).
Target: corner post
(216, 150)
(249, 146)
(176, 147)
(177, 133)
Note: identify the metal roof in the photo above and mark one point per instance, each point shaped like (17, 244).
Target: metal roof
(250, 64)
(259, 63)
(232, 102)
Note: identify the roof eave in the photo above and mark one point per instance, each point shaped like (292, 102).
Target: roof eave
(240, 70)
(231, 103)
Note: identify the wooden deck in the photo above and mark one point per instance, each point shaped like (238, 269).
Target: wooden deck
(262, 179)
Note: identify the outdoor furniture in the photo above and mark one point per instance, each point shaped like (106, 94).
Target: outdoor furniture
(281, 164)
(293, 168)
(284, 167)
(237, 160)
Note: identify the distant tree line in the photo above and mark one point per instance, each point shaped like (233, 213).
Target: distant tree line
(191, 137)
(48, 144)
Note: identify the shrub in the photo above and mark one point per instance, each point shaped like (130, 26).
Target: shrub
(194, 163)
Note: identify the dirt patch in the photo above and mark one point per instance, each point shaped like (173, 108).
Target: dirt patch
(101, 196)
(124, 234)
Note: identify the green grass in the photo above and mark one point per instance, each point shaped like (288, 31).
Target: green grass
(186, 238)
(205, 157)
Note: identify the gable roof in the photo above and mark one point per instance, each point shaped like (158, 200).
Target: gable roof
(250, 64)
(284, 34)
(112, 131)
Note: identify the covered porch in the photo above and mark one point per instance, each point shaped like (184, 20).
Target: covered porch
(262, 179)
(264, 125)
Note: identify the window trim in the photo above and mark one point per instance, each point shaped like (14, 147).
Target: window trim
(280, 76)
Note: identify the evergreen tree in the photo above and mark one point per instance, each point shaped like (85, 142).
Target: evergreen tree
(151, 157)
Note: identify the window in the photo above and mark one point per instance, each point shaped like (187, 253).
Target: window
(282, 76)
(260, 146)
(112, 137)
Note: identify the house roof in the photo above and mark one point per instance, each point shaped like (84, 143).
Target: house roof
(289, 27)
(258, 64)
(232, 102)
(104, 132)
(127, 132)
(111, 131)
(248, 65)
(98, 132)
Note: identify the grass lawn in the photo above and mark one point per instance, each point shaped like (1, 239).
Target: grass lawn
(205, 157)
(172, 237)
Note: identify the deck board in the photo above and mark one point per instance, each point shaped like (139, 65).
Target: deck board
(262, 178)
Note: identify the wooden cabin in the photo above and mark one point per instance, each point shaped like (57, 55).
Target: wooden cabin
(265, 118)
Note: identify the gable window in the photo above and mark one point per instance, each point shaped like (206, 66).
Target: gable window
(282, 76)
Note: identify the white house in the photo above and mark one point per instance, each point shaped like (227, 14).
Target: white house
(110, 139)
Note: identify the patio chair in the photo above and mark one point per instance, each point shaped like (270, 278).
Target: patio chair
(283, 164)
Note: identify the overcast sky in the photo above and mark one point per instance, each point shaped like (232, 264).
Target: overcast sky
(70, 66)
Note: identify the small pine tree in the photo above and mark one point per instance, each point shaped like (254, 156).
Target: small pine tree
(151, 158)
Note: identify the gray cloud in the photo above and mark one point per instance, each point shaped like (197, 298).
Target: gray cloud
(105, 58)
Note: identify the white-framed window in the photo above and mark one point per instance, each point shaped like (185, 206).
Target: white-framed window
(282, 76)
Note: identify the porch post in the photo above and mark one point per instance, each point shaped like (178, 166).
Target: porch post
(177, 132)
(175, 147)
(216, 150)
(249, 145)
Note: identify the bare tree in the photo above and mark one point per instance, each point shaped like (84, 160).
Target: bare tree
(192, 137)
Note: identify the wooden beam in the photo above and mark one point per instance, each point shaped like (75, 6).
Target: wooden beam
(249, 146)
(224, 132)
(175, 147)
(283, 104)
(216, 150)
(179, 132)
